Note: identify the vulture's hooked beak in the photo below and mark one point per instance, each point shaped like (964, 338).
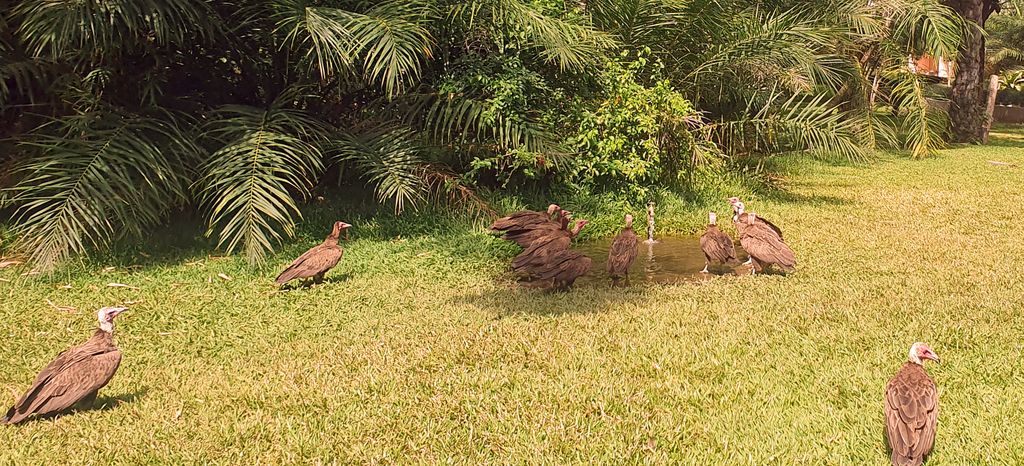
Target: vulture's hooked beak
(116, 311)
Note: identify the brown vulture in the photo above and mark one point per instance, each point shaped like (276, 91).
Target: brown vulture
(75, 376)
(524, 219)
(623, 251)
(318, 260)
(524, 237)
(563, 268)
(912, 409)
(542, 248)
(740, 216)
(716, 245)
(764, 246)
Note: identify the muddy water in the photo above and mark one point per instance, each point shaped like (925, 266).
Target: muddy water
(669, 260)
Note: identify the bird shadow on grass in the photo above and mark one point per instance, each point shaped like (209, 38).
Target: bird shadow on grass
(308, 284)
(102, 403)
(511, 298)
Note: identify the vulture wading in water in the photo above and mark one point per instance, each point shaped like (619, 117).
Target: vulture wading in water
(75, 376)
(912, 409)
(544, 247)
(623, 251)
(764, 246)
(526, 236)
(716, 245)
(740, 215)
(318, 260)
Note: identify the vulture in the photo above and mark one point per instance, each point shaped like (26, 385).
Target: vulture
(75, 376)
(623, 251)
(563, 268)
(318, 260)
(524, 237)
(544, 247)
(911, 409)
(716, 245)
(524, 219)
(739, 215)
(764, 246)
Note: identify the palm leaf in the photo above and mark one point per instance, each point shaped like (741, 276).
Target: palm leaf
(389, 158)
(95, 177)
(266, 157)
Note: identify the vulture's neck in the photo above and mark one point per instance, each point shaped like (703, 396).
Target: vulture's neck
(331, 240)
(104, 334)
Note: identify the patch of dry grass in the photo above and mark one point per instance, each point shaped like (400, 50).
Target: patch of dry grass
(421, 350)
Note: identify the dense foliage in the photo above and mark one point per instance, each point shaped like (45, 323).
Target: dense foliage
(121, 112)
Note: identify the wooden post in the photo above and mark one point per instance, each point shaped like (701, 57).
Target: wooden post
(990, 110)
(650, 222)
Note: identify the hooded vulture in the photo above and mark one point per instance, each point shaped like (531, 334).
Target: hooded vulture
(716, 245)
(524, 219)
(740, 215)
(75, 376)
(524, 237)
(544, 247)
(623, 251)
(315, 262)
(764, 246)
(912, 409)
(563, 268)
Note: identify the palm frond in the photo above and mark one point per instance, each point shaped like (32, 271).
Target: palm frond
(925, 124)
(266, 157)
(390, 159)
(95, 177)
(57, 28)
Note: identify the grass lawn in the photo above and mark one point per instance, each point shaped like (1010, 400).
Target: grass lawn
(422, 350)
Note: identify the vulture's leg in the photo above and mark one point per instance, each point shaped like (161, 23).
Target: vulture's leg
(749, 261)
(706, 264)
(89, 400)
(318, 278)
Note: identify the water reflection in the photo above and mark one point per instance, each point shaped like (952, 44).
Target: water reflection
(669, 260)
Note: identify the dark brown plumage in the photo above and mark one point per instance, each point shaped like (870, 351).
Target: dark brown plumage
(524, 237)
(912, 409)
(524, 219)
(716, 245)
(623, 251)
(740, 215)
(542, 248)
(764, 246)
(315, 262)
(75, 376)
(563, 268)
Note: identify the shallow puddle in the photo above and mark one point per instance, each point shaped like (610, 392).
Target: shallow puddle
(669, 260)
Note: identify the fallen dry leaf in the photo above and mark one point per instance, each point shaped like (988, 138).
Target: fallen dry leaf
(223, 277)
(121, 285)
(108, 269)
(131, 302)
(30, 272)
(61, 308)
(65, 287)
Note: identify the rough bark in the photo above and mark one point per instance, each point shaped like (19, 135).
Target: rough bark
(967, 109)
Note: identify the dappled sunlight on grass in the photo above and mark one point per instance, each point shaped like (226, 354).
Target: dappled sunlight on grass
(422, 349)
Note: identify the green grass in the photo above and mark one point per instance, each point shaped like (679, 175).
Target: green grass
(422, 350)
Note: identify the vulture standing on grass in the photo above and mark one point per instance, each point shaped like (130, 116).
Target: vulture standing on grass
(524, 237)
(764, 246)
(912, 409)
(716, 245)
(318, 260)
(563, 268)
(542, 248)
(524, 219)
(740, 216)
(623, 251)
(75, 376)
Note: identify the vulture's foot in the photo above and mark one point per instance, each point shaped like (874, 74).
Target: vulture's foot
(705, 270)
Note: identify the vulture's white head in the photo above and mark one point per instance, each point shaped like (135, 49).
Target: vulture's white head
(552, 209)
(920, 351)
(712, 218)
(737, 205)
(629, 220)
(106, 317)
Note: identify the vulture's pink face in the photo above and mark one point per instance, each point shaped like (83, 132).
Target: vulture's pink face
(581, 223)
(108, 314)
(920, 351)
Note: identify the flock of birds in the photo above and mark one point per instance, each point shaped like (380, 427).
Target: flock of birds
(545, 238)
(911, 398)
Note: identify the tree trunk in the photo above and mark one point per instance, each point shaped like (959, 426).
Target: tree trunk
(967, 109)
